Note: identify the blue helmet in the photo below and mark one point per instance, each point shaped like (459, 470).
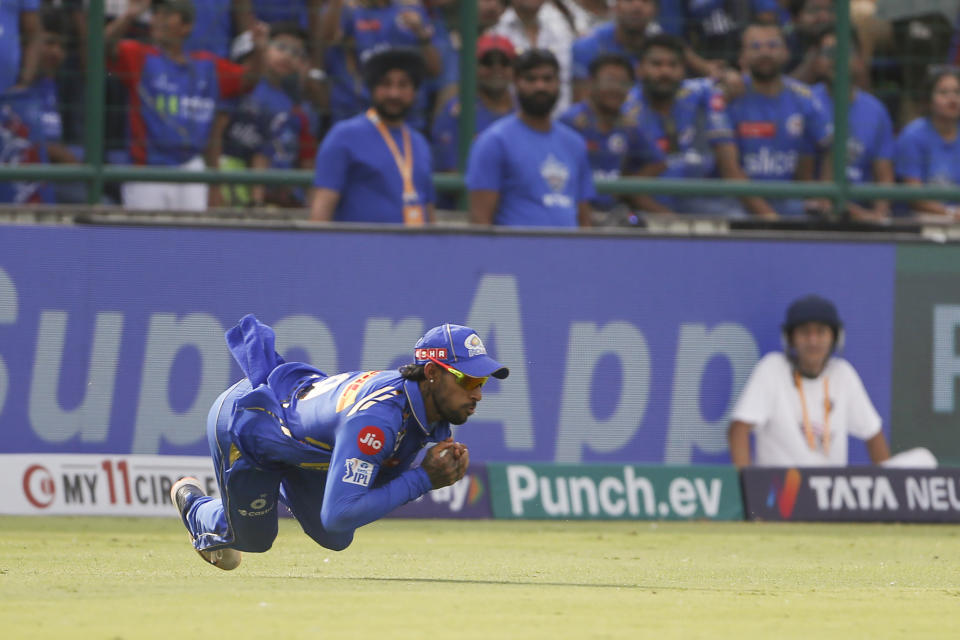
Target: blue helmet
(812, 308)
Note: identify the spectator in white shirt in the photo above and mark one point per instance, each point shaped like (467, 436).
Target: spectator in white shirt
(803, 403)
(539, 24)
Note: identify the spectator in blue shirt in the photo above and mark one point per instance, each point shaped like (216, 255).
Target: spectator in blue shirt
(495, 55)
(615, 143)
(267, 129)
(928, 149)
(778, 126)
(53, 53)
(375, 167)
(364, 27)
(870, 131)
(526, 170)
(686, 119)
(633, 21)
(22, 142)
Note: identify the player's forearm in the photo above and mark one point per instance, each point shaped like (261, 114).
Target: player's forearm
(116, 29)
(32, 52)
(348, 510)
(878, 449)
(738, 438)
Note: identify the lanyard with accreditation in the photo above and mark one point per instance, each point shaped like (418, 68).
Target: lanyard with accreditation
(413, 214)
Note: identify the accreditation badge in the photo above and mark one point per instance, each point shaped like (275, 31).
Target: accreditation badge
(413, 215)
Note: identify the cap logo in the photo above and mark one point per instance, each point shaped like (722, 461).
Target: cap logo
(474, 346)
(439, 354)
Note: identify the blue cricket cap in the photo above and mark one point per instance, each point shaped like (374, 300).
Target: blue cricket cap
(812, 308)
(461, 348)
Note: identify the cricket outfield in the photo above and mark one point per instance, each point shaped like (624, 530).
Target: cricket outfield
(65, 577)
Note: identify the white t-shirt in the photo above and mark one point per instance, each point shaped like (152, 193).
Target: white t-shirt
(554, 34)
(771, 404)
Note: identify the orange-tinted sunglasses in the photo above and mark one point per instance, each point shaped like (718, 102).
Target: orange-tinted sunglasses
(467, 382)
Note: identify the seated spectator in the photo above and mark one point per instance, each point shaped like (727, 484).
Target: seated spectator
(22, 142)
(928, 149)
(616, 145)
(869, 133)
(525, 170)
(633, 21)
(364, 27)
(173, 96)
(778, 126)
(802, 404)
(495, 56)
(20, 42)
(266, 128)
(687, 121)
(375, 167)
(539, 24)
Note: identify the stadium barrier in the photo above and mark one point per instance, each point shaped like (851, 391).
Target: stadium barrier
(853, 494)
(139, 485)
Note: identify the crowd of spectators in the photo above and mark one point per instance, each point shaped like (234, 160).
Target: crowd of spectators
(365, 93)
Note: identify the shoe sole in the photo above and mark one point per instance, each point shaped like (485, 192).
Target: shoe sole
(225, 559)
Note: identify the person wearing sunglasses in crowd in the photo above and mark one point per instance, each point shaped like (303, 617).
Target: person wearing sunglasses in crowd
(337, 450)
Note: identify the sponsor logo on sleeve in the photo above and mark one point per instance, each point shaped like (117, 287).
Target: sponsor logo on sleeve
(358, 472)
(370, 440)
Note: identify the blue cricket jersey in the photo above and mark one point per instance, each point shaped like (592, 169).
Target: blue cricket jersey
(922, 154)
(374, 28)
(772, 132)
(445, 131)
(212, 27)
(363, 429)
(265, 121)
(348, 97)
(541, 177)
(697, 122)
(354, 161)
(10, 11)
(46, 91)
(172, 104)
(22, 142)
(621, 151)
(869, 133)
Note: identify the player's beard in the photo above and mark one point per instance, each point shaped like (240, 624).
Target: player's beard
(392, 110)
(537, 103)
(660, 90)
(764, 72)
(453, 415)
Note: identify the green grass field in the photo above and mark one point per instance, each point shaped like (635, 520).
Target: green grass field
(139, 578)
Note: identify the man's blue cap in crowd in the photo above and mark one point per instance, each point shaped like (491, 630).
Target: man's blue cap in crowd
(461, 348)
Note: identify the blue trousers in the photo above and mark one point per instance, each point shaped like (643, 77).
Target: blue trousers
(245, 516)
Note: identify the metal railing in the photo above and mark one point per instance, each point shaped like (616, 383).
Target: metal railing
(95, 173)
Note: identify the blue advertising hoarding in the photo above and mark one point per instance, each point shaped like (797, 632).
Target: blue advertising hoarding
(622, 349)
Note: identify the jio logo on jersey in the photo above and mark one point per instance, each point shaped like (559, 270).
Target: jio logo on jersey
(370, 440)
